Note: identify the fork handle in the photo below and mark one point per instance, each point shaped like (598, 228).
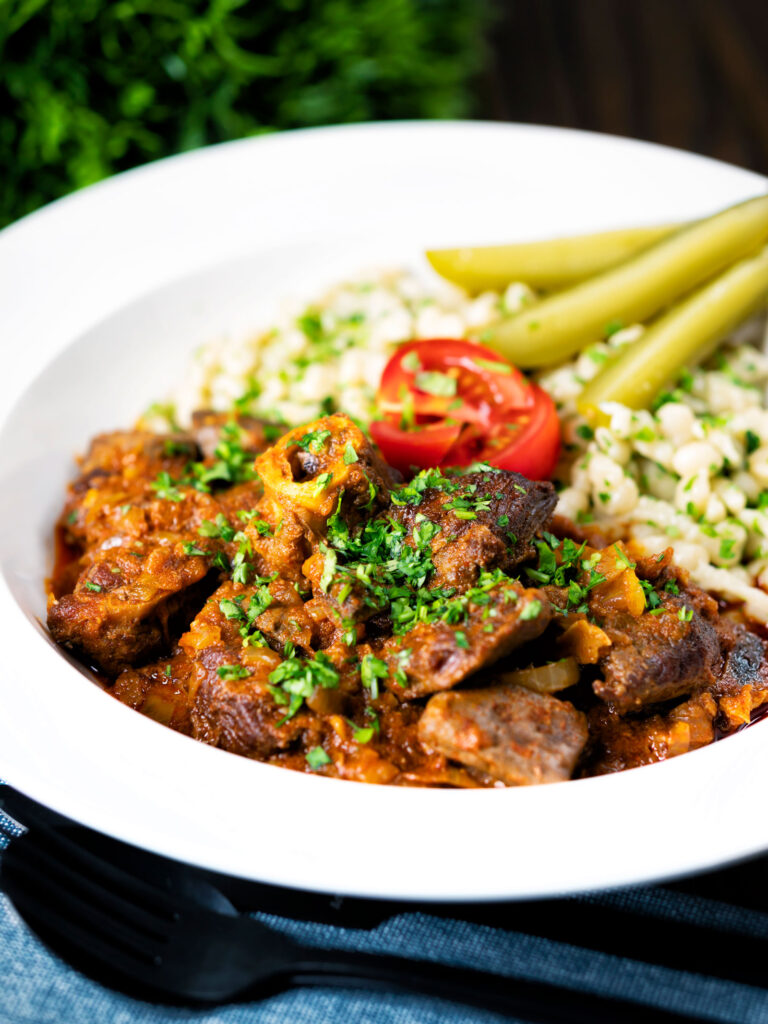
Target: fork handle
(531, 1001)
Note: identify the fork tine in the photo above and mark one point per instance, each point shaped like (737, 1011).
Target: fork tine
(105, 874)
(90, 892)
(47, 894)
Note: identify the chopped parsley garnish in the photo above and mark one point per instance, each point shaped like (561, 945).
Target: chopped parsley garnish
(241, 563)
(190, 548)
(163, 411)
(411, 362)
(273, 431)
(408, 410)
(561, 563)
(171, 447)
(350, 455)
(218, 528)
(232, 672)
(252, 392)
(613, 327)
(231, 465)
(314, 441)
(652, 599)
(167, 671)
(165, 487)
(372, 669)
(96, 587)
(435, 383)
(295, 679)
(322, 482)
(402, 658)
(317, 757)
(532, 610)
(364, 734)
(427, 479)
(329, 567)
(685, 614)
(311, 325)
(261, 526)
(466, 505)
(752, 440)
(231, 609)
(727, 544)
(645, 434)
(461, 636)
(259, 601)
(493, 365)
(622, 557)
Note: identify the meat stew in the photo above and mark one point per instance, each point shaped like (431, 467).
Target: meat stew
(289, 598)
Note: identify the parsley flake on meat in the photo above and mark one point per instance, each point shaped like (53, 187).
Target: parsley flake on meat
(317, 757)
(295, 679)
(220, 527)
(350, 455)
(165, 487)
(314, 441)
(232, 672)
(190, 548)
(372, 669)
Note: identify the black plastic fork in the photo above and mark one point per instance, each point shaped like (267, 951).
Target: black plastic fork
(189, 945)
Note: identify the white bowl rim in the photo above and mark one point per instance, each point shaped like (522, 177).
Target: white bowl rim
(193, 803)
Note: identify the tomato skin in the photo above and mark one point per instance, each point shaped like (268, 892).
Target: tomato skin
(476, 413)
(405, 449)
(536, 449)
(479, 389)
(530, 445)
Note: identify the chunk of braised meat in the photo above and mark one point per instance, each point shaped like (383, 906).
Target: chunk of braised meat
(139, 588)
(239, 713)
(209, 430)
(325, 467)
(160, 691)
(515, 735)
(660, 641)
(127, 609)
(486, 520)
(132, 481)
(436, 656)
(227, 681)
(654, 658)
(618, 743)
(136, 453)
(117, 471)
(745, 659)
(742, 681)
(143, 548)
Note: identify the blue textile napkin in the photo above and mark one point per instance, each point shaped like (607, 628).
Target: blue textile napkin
(36, 987)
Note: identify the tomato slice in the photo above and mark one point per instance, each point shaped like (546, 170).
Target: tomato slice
(447, 402)
(529, 443)
(448, 378)
(409, 449)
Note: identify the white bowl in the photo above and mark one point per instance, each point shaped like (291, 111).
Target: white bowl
(104, 296)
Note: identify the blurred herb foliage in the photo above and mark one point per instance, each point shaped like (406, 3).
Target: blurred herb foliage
(90, 87)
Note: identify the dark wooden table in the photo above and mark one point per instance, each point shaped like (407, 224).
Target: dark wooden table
(687, 73)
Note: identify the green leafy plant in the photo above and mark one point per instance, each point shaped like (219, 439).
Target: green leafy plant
(90, 87)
